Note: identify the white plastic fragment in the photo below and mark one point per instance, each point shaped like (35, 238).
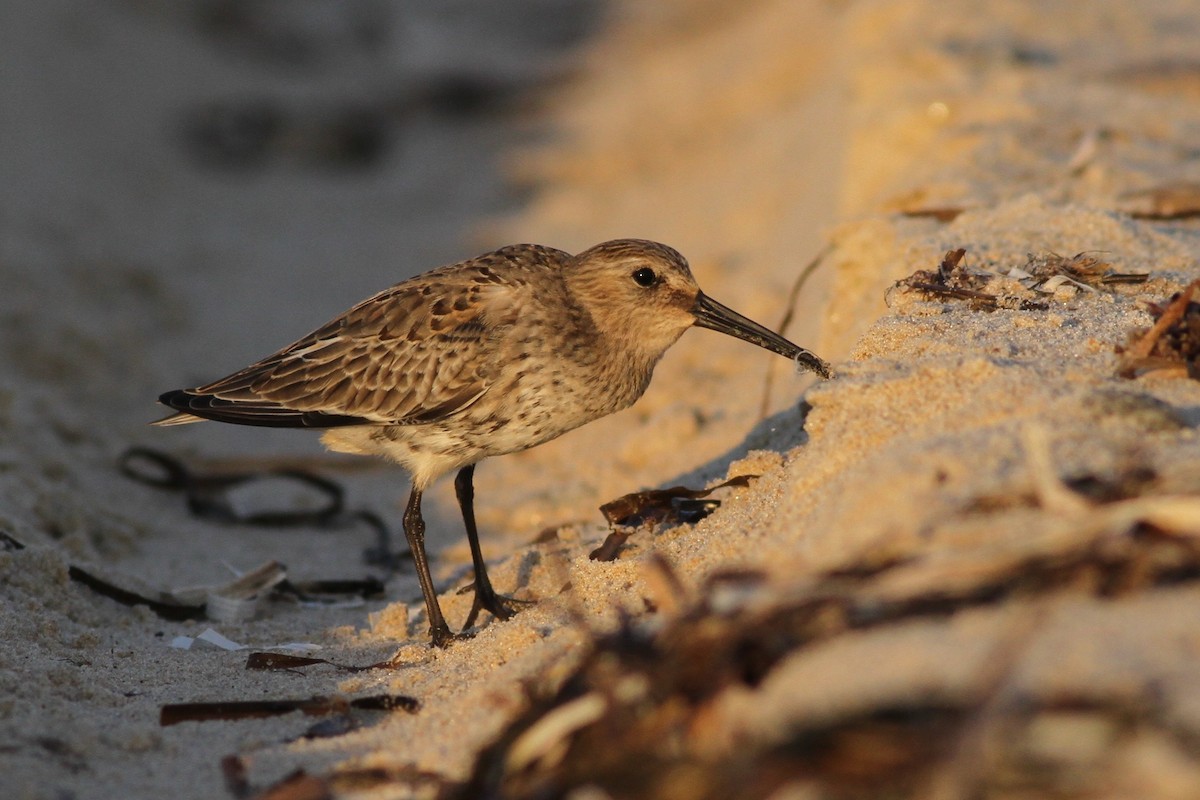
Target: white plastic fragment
(217, 640)
(220, 608)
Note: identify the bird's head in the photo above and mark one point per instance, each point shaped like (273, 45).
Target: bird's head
(642, 293)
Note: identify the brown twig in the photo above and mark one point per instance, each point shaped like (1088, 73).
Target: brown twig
(1174, 312)
(784, 323)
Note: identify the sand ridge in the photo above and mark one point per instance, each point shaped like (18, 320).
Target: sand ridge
(925, 458)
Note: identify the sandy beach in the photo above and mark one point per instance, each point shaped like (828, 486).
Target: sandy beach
(966, 566)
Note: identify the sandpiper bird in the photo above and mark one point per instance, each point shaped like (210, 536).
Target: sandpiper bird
(489, 356)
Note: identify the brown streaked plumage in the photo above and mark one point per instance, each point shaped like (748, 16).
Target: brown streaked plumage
(486, 357)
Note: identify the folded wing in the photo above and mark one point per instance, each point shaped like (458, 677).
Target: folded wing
(414, 354)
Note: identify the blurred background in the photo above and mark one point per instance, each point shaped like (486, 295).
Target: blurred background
(245, 169)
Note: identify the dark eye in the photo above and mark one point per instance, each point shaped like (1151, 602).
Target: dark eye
(645, 277)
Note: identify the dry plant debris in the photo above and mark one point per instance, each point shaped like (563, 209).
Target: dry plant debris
(301, 785)
(209, 496)
(236, 600)
(671, 506)
(637, 718)
(677, 505)
(1180, 200)
(289, 662)
(164, 605)
(1045, 273)
(952, 280)
(939, 213)
(174, 713)
(1171, 344)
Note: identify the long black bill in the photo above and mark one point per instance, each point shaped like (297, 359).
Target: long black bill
(714, 316)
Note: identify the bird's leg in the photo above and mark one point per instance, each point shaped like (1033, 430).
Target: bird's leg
(486, 598)
(414, 531)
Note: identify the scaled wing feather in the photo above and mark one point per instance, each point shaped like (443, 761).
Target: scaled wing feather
(408, 355)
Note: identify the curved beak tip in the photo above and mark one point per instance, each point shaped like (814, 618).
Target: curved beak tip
(811, 362)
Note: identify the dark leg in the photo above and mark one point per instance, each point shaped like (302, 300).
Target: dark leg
(486, 598)
(414, 531)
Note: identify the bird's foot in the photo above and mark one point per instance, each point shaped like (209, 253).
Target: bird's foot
(498, 605)
(443, 637)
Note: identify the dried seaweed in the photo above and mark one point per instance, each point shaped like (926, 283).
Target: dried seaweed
(666, 506)
(610, 548)
(196, 604)
(951, 281)
(300, 785)
(1172, 343)
(677, 505)
(332, 590)
(939, 213)
(1045, 273)
(318, 705)
(166, 609)
(289, 662)
(1168, 201)
(631, 721)
(208, 497)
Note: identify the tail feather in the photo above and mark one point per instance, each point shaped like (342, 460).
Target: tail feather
(181, 418)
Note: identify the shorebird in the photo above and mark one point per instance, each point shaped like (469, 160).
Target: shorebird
(489, 356)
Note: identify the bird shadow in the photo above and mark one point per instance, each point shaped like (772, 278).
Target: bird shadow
(779, 433)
